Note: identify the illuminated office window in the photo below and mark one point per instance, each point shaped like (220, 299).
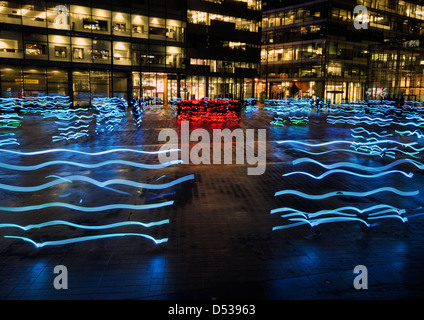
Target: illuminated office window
(101, 51)
(157, 29)
(100, 21)
(199, 17)
(139, 26)
(33, 13)
(173, 57)
(10, 12)
(174, 30)
(121, 53)
(59, 48)
(11, 44)
(121, 24)
(250, 4)
(81, 49)
(35, 46)
(80, 17)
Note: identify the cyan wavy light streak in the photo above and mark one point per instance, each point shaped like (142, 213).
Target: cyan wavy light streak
(87, 238)
(371, 152)
(74, 136)
(316, 222)
(377, 175)
(382, 134)
(76, 122)
(346, 193)
(87, 153)
(341, 218)
(90, 166)
(355, 122)
(75, 128)
(9, 117)
(340, 212)
(409, 124)
(385, 151)
(346, 208)
(72, 132)
(87, 209)
(71, 224)
(349, 142)
(359, 118)
(358, 166)
(410, 133)
(97, 183)
(7, 142)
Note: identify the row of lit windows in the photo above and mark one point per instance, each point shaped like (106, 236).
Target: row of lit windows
(392, 61)
(380, 21)
(205, 18)
(251, 4)
(223, 66)
(292, 53)
(241, 46)
(304, 71)
(308, 70)
(93, 20)
(292, 16)
(35, 81)
(195, 87)
(292, 34)
(411, 10)
(77, 49)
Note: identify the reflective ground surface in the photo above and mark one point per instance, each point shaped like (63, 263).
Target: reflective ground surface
(225, 238)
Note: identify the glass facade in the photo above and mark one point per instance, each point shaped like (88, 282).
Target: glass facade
(397, 70)
(315, 46)
(66, 16)
(141, 49)
(85, 51)
(224, 43)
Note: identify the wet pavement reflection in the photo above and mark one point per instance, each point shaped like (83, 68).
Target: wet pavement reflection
(98, 201)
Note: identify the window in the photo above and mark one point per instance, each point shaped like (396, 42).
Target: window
(157, 29)
(10, 44)
(94, 24)
(100, 54)
(60, 52)
(78, 53)
(121, 53)
(139, 26)
(33, 13)
(101, 51)
(121, 24)
(81, 48)
(35, 49)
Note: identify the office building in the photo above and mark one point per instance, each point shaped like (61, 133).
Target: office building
(223, 48)
(313, 48)
(126, 48)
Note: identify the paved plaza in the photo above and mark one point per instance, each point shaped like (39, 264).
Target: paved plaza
(218, 222)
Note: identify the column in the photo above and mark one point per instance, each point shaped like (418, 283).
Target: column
(165, 90)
